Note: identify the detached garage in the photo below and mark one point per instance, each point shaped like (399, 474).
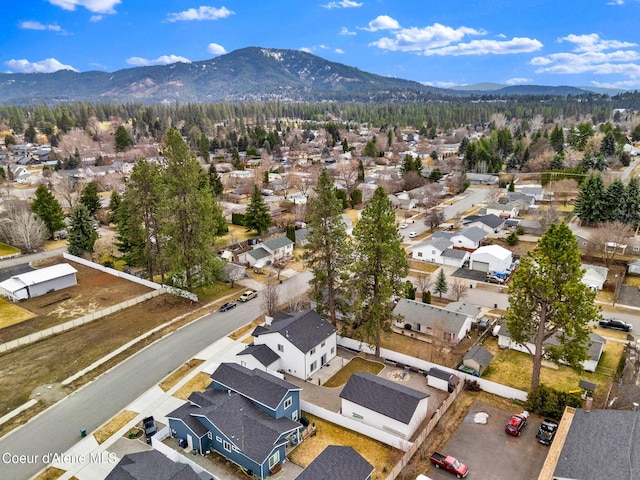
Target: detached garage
(491, 258)
(38, 282)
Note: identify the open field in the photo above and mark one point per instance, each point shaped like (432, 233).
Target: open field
(381, 456)
(95, 291)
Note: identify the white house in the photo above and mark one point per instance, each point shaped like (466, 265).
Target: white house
(439, 250)
(491, 258)
(594, 276)
(468, 238)
(596, 347)
(489, 223)
(267, 252)
(423, 318)
(384, 404)
(302, 341)
(507, 210)
(38, 282)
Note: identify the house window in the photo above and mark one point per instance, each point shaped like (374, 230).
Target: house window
(314, 365)
(636, 249)
(416, 327)
(218, 439)
(355, 415)
(274, 460)
(294, 415)
(433, 252)
(322, 344)
(419, 254)
(210, 435)
(287, 403)
(243, 363)
(280, 348)
(333, 349)
(226, 445)
(312, 352)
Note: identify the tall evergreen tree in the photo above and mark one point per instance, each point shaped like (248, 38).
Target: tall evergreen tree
(217, 188)
(614, 201)
(328, 252)
(82, 236)
(122, 139)
(114, 203)
(90, 198)
(631, 211)
(257, 216)
(548, 299)
(192, 219)
(608, 145)
(441, 286)
(379, 270)
(589, 205)
(48, 209)
(557, 139)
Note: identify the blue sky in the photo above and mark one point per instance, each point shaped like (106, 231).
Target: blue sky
(441, 43)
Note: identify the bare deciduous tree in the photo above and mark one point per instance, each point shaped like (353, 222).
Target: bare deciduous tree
(493, 194)
(347, 174)
(279, 265)
(609, 239)
(234, 272)
(423, 282)
(270, 297)
(433, 218)
(20, 228)
(299, 303)
(458, 289)
(67, 189)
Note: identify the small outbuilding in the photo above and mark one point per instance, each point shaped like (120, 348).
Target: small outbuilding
(478, 358)
(491, 258)
(442, 380)
(39, 282)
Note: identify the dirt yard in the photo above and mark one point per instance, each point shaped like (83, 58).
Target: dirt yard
(95, 291)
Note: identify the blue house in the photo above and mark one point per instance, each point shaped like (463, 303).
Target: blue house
(247, 416)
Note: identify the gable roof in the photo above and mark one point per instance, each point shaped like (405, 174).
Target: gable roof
(278, 242)
(480, 355)
(259, 253)
(594, 272)
(305, 330)
(45, 274)
(474, 234)
(184, 413)
(464, 308)
(455, 253)
(150, 465)
(440, 243)
(337, 463)
(259, 386)
(383, 396)
(262, 353)
(491, 220)
(430, 315)
(610, 435)
(494, 250)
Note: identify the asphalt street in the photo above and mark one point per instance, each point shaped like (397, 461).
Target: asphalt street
(58, 428)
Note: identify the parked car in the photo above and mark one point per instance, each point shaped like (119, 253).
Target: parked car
(248, 295)
(615, 324)
(494, 279)
(150, 428)
(516, 423)
(450, 464)
(413, 234)
(404, 225)
(227, 306)
(547, 431)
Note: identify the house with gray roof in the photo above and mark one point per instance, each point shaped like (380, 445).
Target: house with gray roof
(594, 444)
(482, 179)
(247, 416)
(152, 464)
(504, 210)
(478, 358)
(432, 321)
(266, 253)
(594, 276)
(439, 250)
(337, 463)
(303, 342)
(489, 223)
(469, 238)
(384, 404)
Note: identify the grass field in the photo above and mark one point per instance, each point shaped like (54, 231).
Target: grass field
(10, 313)
(8, 250)
(355, 365)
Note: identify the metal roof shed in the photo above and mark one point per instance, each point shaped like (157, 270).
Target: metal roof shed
(41, 281)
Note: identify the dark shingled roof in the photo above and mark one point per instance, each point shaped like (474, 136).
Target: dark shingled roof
(150, 465)
(259, 386)
(337, 463)
(262, 353)
(601, 444)
(184, 413)
(480, 355)
(383, 396)
(305, 330)
(490, 220)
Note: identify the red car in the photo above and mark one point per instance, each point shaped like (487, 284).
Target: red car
(516, 423)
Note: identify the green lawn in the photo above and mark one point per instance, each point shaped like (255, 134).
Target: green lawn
(8, 250)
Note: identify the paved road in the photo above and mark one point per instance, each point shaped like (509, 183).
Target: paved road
(58, 428)
(471, 197)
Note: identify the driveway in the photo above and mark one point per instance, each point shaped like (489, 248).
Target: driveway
(490, 453)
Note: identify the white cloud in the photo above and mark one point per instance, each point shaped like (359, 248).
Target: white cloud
(518, 81)
(383, 22)
(421, 39)
(200, 13)
(47, 65)
(340, 51)
(305, 49)
(34, 25)
(440, 84)
(616, 2)
(96, 6)
(216, 49)
(342, 4)
(487, 47)
(162, 60)
(593, 43)
(95, 18)
(345, 31)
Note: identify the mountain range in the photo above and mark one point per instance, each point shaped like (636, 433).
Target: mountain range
(249, 74)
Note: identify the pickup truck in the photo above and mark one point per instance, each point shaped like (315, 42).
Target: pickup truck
(150, 428)
(450, 464)
(248, 295)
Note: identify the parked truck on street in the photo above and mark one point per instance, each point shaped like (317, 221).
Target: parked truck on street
(450, 464)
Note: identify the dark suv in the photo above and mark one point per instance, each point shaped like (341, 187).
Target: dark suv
(615, 324)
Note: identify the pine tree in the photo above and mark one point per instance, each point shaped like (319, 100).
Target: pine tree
(557, 139)
(548, 299)
(328, 250)
(114, 203)
(90, 198)
(631, 211)
(215, 181)
(589, 206)
(257, 216)
(82, 236)
(614, 205)
(441, 286)
(122, 139)
(48, 209)
(379, 270)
